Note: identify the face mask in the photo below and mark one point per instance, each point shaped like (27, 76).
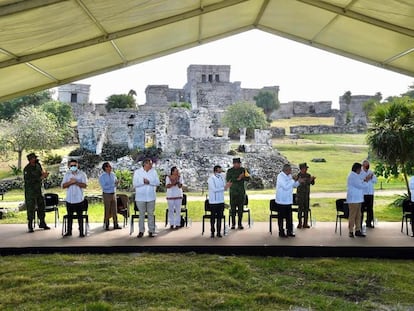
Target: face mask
(73, 168)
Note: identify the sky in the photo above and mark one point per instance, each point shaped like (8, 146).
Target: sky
(258, 59)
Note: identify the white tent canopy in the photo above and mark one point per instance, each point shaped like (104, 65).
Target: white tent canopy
(46, 43)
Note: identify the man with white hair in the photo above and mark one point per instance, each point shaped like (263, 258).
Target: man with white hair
(368, 204)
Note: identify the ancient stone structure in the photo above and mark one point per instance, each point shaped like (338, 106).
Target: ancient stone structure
(77, 96)
(352, 113)
(302, 109)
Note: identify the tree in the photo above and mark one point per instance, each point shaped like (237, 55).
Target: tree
(410, 92)
(120, 101)
(8, 109)
(267, 101)
(391, 136)
(33, 129)
(369, 107)
(244, 115)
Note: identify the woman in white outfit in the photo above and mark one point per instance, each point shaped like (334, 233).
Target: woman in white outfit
(174, 184)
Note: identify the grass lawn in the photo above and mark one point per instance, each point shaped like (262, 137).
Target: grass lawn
(202, 282)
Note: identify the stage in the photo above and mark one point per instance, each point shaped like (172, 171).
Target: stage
(384, 241)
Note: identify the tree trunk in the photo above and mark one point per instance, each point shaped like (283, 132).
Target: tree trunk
(19, 159)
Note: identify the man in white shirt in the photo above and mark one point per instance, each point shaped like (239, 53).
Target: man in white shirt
(145, 182)
(216, 188)
(284, 198)
(74, 181)
(368, 204)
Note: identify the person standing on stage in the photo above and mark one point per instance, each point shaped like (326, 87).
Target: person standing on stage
(237, 175)
(368, 204)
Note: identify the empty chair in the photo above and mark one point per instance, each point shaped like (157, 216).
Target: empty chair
(342, 212)
(122, 207)
(407, 213)
(207, 215)
(246, 209)
(51, 205)
(274, 213)
(184, 212)
(84, 222)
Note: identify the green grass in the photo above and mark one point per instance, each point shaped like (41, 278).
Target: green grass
(202, 282)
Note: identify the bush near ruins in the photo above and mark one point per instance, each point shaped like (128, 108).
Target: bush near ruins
(112, 152)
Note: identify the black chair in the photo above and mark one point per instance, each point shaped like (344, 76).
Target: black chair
(274, 213)
(122, 207)
(407, 213)
(136, 216)
(342, 212)
(184, 211)
(207, 215)
(74, 216)
(51, 205)
(246, 209)
(296, 209)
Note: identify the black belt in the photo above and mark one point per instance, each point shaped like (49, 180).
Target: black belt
(109, 193)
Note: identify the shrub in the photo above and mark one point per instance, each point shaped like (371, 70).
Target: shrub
(15, 170)
(112, 152)
(51, 159)
(152, 153)
(53, 180)
(125, 179)
(255, 183)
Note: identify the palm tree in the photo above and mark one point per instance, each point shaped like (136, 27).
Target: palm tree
(391, 135)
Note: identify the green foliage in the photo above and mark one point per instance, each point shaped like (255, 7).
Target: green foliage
(79, 152)
(348, 117)
(112, 152)
(15, 170)
(152, 153)
(347, 97)
(244, 115)
(162, 177)
(267, 101)
(89, 161)
(410, 92)
(51, 159)
(369, 106)
(9, 109)
(31, 129)
(184, 105)
(53, 180)
(391, 136)
(120, 101)
(125, 179)
(62, 112)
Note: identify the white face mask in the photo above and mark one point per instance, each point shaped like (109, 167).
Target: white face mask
(73, 168)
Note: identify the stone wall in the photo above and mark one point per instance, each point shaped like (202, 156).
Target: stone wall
(301, 109)
(196, 167)
(352, 112)
(326, 129)
(77, 96)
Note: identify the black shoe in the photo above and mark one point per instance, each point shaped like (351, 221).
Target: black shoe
(219, 235)
(233, 227)
(370, 226)
(68, 234)
(117, 227)
(282, 235)
(240, 227)
(44, 227)
(152, 235)
(140, 235)
(212, 235)
(30, 230)
(81, 235)
(360, 234)
(291, 234)
(172, 227)
(351, 234)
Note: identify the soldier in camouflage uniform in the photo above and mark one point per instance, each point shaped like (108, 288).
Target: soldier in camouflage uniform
(33, 175)
(237, 175)
(302, 195)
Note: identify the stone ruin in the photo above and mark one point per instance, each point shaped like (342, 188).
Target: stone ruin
(194, 140)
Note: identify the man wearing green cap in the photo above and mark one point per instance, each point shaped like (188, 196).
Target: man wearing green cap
(237, 175)
(303, 194)
(33, 174)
